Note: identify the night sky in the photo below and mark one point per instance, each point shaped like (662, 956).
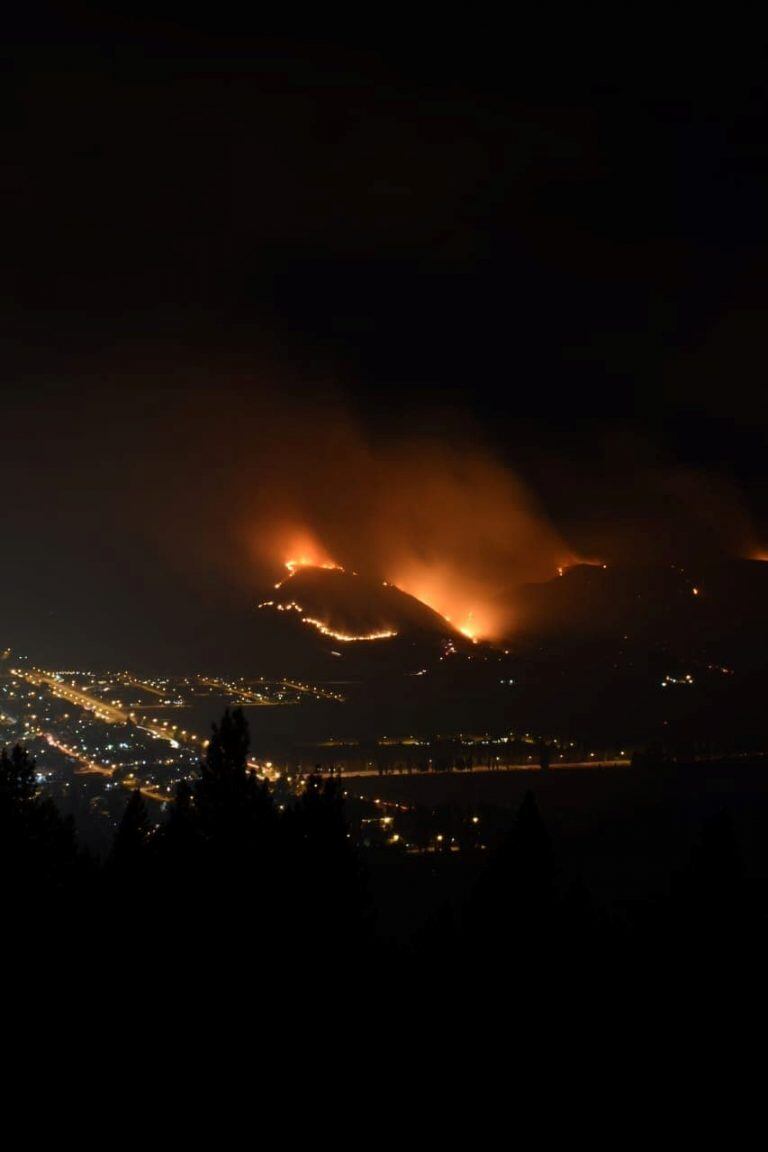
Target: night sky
(224, 243)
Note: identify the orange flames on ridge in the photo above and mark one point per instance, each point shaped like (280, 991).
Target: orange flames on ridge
(444, 523)
(457, 599)
(461, 601)
(304, 551)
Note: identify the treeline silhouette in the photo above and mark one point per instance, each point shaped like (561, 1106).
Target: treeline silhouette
(226, 873)
(235, 881)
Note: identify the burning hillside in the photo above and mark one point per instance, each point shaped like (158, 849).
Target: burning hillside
(446, 524)
(349, 608)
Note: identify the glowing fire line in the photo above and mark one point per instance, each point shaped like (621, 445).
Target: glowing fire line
(345, 637)
(295, 566)
(468, 628)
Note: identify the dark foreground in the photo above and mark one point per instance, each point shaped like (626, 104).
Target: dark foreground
(631, 840)
(576, 883)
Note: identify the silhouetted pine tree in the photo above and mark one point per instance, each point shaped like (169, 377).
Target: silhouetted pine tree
(17, 776)
(179, 877)
(42, 868)
(531, 862)
(233, 807)
(178, 863)
(132, 836)
(179, 834)
(237, 885)
(513, 914)
(328, 884)
(129, 890)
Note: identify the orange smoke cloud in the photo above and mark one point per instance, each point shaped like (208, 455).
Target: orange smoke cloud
(447, 524)
(462, 534)
(300, 549)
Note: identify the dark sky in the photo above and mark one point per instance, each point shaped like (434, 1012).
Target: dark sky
(552, 236)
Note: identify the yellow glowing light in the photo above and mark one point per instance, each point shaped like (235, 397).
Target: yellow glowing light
(305, 562)
(295, 565)
(345, 637)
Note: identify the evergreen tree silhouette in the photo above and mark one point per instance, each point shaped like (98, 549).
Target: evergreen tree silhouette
(327, 879)
(128, 887)
(512, 915)
(238, 887)
(39, 857)
(17, 775)
(132, 835)
(233, 806)
(531, 858)
(178, 856)
(179, 832)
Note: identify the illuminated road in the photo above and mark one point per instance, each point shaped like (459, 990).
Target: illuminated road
(110, 713)
(252, 697)
(484, 771)
(89, 767)
(255, 698)
(312, 691)
(142, 684)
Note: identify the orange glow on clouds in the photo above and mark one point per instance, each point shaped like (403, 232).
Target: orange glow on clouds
(462, 598)
(462, 601)
(457, 598)
(301, 549)
(446, 523)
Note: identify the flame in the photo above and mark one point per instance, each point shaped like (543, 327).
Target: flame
(296, 565)
(463, 603)
(305, 562)
(578, 562)
(346, 637)
(459, 599)
(305, 551)
(454, 529)
(325, 629)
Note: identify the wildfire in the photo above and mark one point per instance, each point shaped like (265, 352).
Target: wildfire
(578, 562)
(460, 601)
(295, 566)
(306, 552)
(468, 628)
(303, 562)
(346, 637)
(464, 595)
(442, 591)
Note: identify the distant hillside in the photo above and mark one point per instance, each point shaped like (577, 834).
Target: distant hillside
(613, 656)
(350, 610)
(721, 606)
